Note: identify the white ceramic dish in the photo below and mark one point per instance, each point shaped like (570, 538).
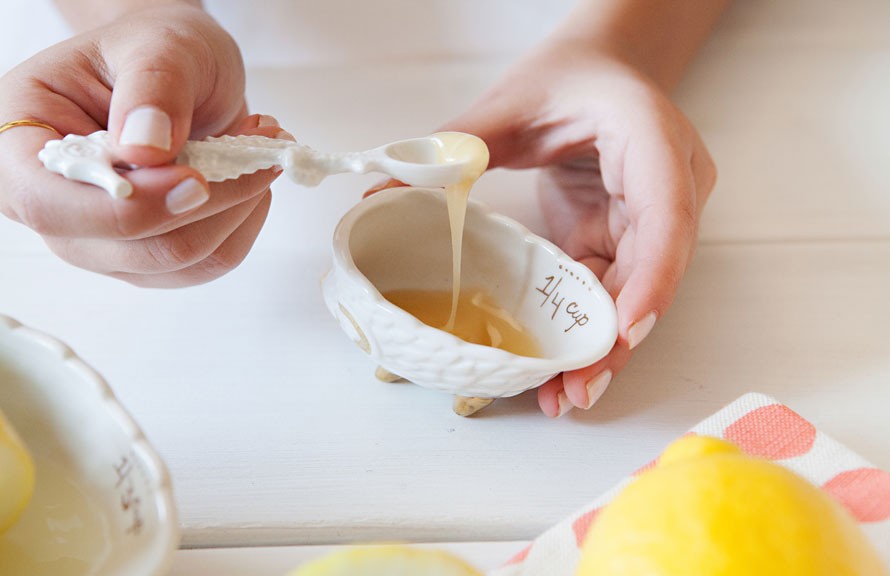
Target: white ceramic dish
(400, 239)
(103, 503)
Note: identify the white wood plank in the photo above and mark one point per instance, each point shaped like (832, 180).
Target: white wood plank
(277, 433)
(788, 96)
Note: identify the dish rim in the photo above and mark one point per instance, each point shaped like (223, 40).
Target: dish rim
(158, 475)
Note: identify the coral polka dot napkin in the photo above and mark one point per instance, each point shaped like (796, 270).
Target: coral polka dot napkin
(762, 427)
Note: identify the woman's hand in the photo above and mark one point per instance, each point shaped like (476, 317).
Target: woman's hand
(624, 180)
(153, 79)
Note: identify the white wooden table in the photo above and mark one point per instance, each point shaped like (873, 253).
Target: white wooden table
(277, 433)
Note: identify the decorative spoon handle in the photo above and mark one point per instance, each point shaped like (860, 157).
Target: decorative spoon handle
(437, 160)
(90, 159)
(86, 159)
(228, 157)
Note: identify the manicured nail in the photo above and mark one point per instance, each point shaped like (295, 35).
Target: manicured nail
(640, 330)
(565, 405)
(266, 120)
(187, 195)
(147, 126)
(382, 185)
(285, 135)
(596, 386)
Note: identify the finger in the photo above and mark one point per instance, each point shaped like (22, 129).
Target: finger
(224, 259)
(229, 193)
(551, 399)
(518, 133)
(164, 197)
(175, 78)
(18, 148)
(151, 106)
(249, 123)
(660, 196)
(582, 388)
(704, 171)
(508, 145)
(174, 251)
(509, 124)
(60, 87)
(54, 206)
(388, 183)
(585, 386)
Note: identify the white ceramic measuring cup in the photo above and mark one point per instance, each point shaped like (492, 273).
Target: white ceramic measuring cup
(416, 161)
(103, 501)
(400, 239)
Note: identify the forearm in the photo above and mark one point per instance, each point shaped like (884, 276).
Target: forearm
(85, 15)
(659, 37)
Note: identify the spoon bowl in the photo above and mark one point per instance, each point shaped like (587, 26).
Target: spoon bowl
(418, 161)
(441, 159)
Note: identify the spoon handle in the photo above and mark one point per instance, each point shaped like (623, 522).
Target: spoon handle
(90, 159)
(228, 157)
(86, 159)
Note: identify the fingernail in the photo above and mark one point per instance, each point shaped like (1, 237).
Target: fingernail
(565, 405)
(285, 135)
(266, 120)
(596, 386)
(382, 185)
(640, 330)
(187, 195)
(147, 126)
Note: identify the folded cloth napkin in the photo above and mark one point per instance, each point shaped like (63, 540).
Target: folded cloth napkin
(762, 427)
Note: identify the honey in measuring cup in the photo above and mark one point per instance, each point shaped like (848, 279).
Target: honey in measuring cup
(478, 319)
(472, 316)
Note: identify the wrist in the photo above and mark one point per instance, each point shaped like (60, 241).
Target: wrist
(656, 38)
(605, 50)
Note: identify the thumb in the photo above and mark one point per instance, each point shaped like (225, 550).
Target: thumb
(150, 116)
(510, 126)
(490, 126)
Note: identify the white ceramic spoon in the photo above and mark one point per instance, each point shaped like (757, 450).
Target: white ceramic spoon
(427, 161)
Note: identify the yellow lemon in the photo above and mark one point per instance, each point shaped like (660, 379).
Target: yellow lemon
(707, 509)
(16, 475)
(389, 560)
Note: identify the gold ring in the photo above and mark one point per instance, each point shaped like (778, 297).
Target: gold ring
(35, 123)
